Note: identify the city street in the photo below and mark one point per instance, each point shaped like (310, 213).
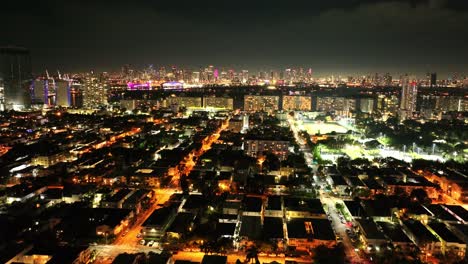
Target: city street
(330, 202)
(162, 196)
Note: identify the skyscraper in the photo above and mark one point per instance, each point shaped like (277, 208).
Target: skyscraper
(62, 93)
(94, 92)
(16, 77)
(409, 93)
(433, 79)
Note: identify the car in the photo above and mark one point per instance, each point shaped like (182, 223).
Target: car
(142, 242)
(150, 243)
(155, 244)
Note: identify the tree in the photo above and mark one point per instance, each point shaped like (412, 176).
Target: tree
(184, 184)
(325, 255)
(271, 162)
(252, 254)
(420, 195)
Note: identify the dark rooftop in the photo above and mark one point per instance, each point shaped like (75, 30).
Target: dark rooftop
(251, 227)
(370, 229)
(459, 211)
(273, 227)
(274, 202)
(181, 223)
(160, 216)
(394, 232)
(253, 204)
(119, 195)
(195, 202)
(442, 230)
(299, 204)
(437, 211)
(420, 231)
(310, 228)
(355, 208)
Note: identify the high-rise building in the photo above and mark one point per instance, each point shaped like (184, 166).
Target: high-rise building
(266, 103)
(76, 95)
(366, 105)
(62, 93)
(218, 102)
(433, 79)
(94, 92)
(297, 102)
(40, 91)
(338, 105)
(184, 101)
(16, 76)
(409, 93)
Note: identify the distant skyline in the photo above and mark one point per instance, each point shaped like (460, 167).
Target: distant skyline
(340, 37)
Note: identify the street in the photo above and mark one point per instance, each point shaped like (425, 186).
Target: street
(327, 201)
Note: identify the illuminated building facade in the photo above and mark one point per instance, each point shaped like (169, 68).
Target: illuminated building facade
(62, 93)
(299, 103)
(338, 105)
(366, 105)
(266, 103)
(184, 101)
(94, 92)
(257, 147)
(218, 102)
(409, 94)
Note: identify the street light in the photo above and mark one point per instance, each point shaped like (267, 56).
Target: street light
(260, 162)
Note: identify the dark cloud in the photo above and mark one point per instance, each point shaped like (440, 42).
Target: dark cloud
(329, 35)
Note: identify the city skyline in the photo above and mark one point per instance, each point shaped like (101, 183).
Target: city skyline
(339, 37)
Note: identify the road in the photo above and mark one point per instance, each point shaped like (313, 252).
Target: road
(162, 196)
(129, 243)
(339, 228)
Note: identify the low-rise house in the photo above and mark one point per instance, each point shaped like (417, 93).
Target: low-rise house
(274, 206)
(355, 209)
(421, 236)
(22, 192)
(303, 208)
(307, 233)
(371, 236)
(133, 202)
(182, 225)
(117, 199)
(440, 213)
(397, 237)
(449, 241)
(157, 223)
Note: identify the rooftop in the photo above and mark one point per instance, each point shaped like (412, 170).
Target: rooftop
(310, 228)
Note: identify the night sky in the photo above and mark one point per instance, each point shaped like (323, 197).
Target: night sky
(329, 36)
